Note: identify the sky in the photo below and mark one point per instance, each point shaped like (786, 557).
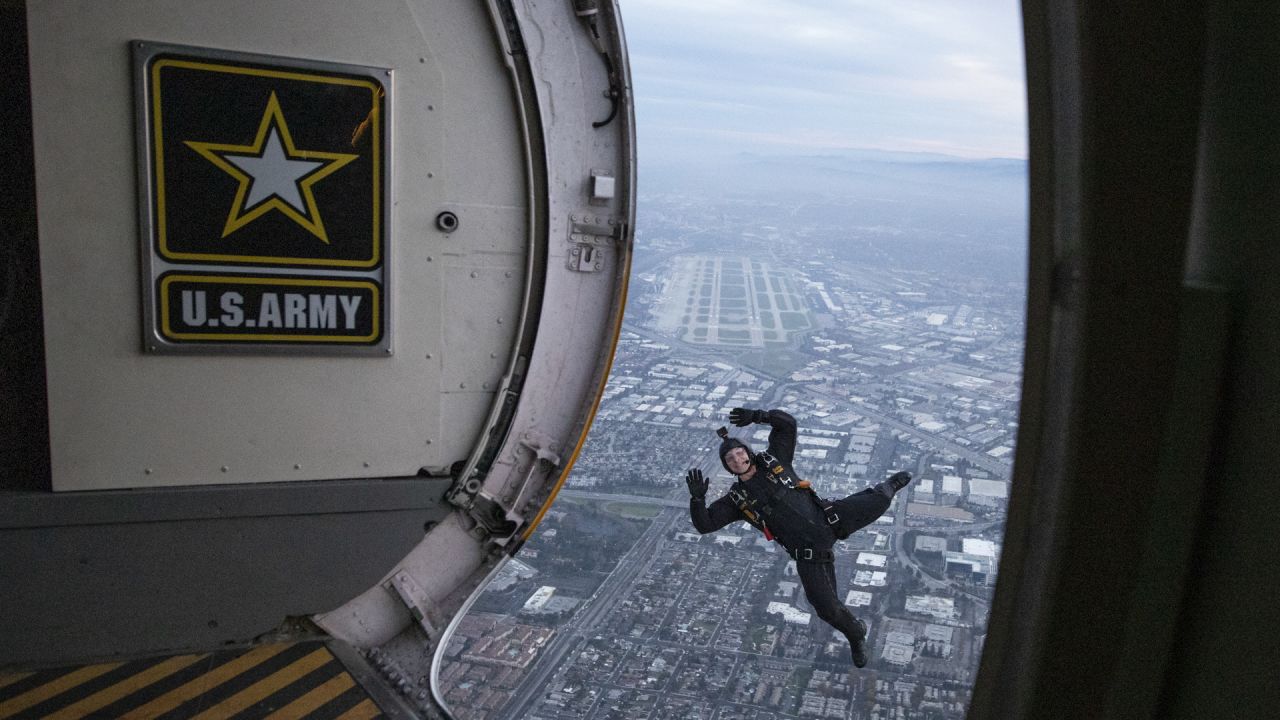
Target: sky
(822, 76)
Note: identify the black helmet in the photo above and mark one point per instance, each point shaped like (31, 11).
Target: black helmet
(728, 443)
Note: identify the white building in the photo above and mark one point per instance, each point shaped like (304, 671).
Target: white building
(789, 613)
(989, 488)
(872, 559)
(857, 598)
(939, 607)
(869, 578)
(539, 599)
(980, 547)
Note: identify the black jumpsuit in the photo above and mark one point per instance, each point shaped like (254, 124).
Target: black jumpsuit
(798, 522)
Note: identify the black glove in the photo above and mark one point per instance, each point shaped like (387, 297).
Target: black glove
(743, 417)
(697, 484)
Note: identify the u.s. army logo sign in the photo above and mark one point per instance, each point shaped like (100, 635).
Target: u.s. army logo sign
(264, 202)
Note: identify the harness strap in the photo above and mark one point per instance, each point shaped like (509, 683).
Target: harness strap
(777, 470)
(745, 504)
(754, 508)
(811, 555)
(828, 509)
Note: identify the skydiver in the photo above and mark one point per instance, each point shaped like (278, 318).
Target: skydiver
(770, 496)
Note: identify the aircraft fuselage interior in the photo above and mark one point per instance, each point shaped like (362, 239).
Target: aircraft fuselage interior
(306, 309)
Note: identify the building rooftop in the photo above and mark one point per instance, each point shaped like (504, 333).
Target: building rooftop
(872, 559)
(539, 598)
(939, 607)
(929, 543)
(789, 613)
(979, 547)
(989, 488)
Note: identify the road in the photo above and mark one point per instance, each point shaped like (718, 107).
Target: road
(643, 554)
(634, 499)
(899, 529)
(630, 566)
(999, 468)
(683, 503)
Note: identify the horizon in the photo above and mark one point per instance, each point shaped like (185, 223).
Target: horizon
(871, 153)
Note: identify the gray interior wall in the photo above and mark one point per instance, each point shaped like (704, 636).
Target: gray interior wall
(121, 573)
(453, 297)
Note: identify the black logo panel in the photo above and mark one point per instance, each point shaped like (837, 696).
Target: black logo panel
(261, 164)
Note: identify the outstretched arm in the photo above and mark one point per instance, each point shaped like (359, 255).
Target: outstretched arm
(782, 438)
(708, 519)
(711, 518)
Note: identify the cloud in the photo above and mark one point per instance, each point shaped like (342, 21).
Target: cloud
(904, 75)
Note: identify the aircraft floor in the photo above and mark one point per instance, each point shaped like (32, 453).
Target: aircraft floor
(291, 680)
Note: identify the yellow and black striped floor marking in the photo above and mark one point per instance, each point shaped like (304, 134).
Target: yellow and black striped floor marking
(281, 682)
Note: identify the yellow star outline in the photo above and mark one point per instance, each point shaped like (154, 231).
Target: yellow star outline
(238, 217)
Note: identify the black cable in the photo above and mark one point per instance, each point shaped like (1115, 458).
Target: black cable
(587, 11)
(613, 93)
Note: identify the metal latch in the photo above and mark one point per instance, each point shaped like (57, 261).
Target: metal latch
(590, 241)
(544, 461)
(494, 519)
(585, 258)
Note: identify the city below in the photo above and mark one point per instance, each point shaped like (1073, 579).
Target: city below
(617, 608)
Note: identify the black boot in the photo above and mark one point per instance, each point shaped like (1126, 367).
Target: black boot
(858, 644)
(896, 482)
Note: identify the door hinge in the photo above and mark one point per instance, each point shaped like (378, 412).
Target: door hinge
(589, 242)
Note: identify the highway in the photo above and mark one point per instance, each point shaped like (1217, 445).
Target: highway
(635, 499)
(630, 566)
(683, 503)
(594, 611)
(999, 468)
(582, 625)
